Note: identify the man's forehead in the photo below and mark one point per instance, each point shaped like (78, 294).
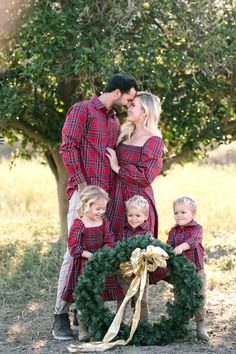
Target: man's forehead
(132, 93)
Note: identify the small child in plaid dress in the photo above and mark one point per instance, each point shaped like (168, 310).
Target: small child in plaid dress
(186, 238)
(137, 212)
(89, 232)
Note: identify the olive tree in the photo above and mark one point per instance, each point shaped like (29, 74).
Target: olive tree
(65, 51)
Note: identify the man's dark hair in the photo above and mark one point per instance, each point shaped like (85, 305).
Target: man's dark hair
(121, 81)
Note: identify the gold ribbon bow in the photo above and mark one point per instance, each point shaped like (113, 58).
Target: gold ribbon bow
(140, 263)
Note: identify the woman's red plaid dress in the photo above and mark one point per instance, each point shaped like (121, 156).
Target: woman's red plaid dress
(90, 239)
(139, 166)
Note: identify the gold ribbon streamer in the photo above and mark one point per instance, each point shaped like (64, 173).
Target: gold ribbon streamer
(140, 263)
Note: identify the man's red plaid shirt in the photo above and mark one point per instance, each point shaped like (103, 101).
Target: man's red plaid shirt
(88, 130)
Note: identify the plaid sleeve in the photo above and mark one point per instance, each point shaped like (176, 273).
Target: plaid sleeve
(194, 238)
(72, 132)
(109, 237)
(74, 239)
(171, 238)
(120, 235)
(147, 169)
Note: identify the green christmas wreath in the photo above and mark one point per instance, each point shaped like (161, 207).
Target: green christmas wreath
(97, 317)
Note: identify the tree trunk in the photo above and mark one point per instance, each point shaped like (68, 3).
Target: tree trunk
(56, 165)
(62, 201)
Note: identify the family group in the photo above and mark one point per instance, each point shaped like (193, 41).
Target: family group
(110, 170)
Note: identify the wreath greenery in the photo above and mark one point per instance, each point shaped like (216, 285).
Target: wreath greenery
(97, 317)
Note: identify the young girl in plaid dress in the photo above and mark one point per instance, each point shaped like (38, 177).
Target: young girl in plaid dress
(137, 160)
(89, 232)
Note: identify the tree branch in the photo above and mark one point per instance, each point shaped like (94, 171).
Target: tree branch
(162, 28)
(65, 4)
(229, 127)
(176, 159)
(28, 131)
(186, 152)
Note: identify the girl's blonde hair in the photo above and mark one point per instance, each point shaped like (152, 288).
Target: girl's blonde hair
(186, 200)
(152, 109)
(137, 201)
(89, 196)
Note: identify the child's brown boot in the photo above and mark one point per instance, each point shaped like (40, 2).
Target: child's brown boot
(84, 335)
(201, 331)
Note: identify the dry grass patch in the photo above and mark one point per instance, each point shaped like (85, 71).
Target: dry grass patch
(30, 257)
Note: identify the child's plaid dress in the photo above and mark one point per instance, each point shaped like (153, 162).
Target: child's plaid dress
(90, 239)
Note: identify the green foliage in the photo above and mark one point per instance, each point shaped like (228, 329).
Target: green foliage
(105, 262)
(183, 51)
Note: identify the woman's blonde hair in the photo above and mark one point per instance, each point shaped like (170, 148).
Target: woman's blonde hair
(137, 201)
(89, 196)
(152, 109)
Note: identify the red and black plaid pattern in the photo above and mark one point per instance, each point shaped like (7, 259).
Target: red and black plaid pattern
(88, 130)
(192, 234)
(139, 166)
(157, 275)
(89, 239)
(128, 231)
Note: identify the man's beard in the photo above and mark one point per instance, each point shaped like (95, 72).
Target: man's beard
(116, 108)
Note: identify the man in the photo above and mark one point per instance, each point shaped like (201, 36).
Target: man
(90, 127)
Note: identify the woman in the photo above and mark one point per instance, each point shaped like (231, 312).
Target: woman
(137, 160)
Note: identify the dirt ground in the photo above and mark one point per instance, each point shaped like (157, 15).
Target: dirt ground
(26, 326)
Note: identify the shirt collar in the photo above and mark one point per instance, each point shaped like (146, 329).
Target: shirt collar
(99, 105)
(191, 223)
(97, 102)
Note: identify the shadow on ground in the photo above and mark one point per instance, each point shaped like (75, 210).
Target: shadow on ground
(27, 300)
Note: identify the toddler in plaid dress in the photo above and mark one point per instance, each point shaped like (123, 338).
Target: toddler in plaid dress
(137, 212)
(186, 238)
(89, 232)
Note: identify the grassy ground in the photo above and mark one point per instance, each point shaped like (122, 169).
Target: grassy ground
(30, 255)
